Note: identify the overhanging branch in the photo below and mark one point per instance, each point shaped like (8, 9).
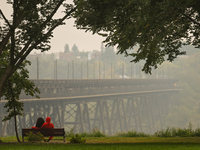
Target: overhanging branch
(6, 20)
(195, 22)
(24, 53)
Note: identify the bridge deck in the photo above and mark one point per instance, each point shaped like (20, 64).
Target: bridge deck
(74, 88)
(113, 95)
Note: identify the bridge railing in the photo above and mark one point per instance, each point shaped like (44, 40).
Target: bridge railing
(71, 88)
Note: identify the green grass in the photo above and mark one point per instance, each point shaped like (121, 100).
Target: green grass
(117, 146)
(108, 143)
(96, 140)
(168, 139)
(132, 134)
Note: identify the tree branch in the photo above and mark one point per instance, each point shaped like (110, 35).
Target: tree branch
(24, 53)
(8, 35)
(41, 28)
(12, 50)
(53, 13)
(6, 20)
(26, 50)
(188, 17)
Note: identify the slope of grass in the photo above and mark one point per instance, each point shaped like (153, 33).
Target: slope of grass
(95, 140)
(118, 146)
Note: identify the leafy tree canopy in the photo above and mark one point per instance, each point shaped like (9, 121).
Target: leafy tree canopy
(158, 27)
(30, 27)
(17, 83)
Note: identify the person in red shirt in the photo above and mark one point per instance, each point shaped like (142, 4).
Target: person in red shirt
(48, 125)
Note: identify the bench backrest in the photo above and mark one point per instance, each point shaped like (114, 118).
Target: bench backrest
(44, 132)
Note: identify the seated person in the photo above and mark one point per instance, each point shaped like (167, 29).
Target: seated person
(48, 125)
(39, 123)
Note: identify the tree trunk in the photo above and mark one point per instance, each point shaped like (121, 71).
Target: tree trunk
(16, 128)
(5, 77)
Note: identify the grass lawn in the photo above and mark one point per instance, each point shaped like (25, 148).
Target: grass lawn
(107, 143)
(116, 146)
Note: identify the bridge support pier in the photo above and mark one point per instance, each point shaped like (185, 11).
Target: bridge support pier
(87, 117)
(150, 102)
(160, 111)
(139, 112)
(99, 117)
(146, 107)
(124, 116)
(131, 114)
(107, 116)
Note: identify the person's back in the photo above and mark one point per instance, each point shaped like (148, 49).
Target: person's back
(39, 123)
(48, 125)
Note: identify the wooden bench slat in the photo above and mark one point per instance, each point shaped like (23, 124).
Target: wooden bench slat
(44, 132)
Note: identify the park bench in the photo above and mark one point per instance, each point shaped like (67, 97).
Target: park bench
(44, 132)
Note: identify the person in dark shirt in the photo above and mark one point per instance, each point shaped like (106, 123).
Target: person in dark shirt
(39, 123)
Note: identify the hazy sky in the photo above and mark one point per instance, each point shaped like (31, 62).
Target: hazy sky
(66, 34)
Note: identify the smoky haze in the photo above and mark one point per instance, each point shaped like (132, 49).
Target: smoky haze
(105, 64)
(119, 113)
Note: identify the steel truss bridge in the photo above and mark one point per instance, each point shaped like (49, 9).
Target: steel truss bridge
(109, 105)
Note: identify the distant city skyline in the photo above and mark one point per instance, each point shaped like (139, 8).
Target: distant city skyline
(66, 34)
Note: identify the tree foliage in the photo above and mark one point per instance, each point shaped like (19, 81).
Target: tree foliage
(30, 27)
(17, 83)
(158, 27)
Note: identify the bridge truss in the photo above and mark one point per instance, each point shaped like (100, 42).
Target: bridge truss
(110, 106)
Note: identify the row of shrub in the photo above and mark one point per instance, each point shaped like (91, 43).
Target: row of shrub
(178, 132)
(168, 132)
